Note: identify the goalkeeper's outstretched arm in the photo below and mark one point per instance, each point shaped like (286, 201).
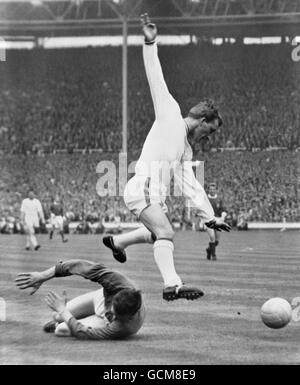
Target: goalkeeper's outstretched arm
(37, 278)
(111, 281)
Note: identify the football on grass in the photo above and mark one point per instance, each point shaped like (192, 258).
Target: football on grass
(276, 313)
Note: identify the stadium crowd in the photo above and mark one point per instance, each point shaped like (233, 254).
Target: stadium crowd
(71, 99)
(260, 185)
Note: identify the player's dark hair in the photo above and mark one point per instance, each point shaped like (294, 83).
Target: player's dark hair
(127, 302)
(207, 110)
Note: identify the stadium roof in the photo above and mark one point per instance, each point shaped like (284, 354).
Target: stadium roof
(105, 17)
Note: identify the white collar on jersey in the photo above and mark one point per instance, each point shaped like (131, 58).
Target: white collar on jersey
(186, 127)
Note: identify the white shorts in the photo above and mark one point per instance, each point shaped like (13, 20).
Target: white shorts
(99, 303)
(57, 221)
(95, 321)
(140, 192)
(32, 223)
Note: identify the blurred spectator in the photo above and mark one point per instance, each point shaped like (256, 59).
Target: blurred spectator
(3, 226)
(242, 223)
(84, 228)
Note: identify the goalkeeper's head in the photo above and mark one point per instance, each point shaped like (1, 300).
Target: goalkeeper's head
(126, 303)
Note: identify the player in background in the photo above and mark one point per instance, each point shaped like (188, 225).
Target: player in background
(31, 216)
(219, 210)
(114, 311)
(166, 148)
(57, 218)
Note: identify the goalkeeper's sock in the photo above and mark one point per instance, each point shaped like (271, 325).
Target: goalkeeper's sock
(208, 253)
(212, 247)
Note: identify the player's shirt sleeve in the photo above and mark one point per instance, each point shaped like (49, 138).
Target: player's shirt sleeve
(186, 181)
(218, 207)
(83, 332)
(223, 210)
(112, 282)
(114, 330)
(40, 209)
(23, 207)
(162, 99)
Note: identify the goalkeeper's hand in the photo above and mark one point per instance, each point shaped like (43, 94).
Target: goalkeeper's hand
(218, 224)
(56, 302)
(149, 29)
(27, 280)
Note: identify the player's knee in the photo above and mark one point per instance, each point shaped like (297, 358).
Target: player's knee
(212, 238)
(211, 235)
(165, 233)
(62, 330)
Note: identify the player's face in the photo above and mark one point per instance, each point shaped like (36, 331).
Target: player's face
(205, 129)
(212, 190)
(31, 195)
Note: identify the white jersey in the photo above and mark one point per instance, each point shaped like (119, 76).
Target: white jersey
(32, 210)
(166, 151)
(165, 142)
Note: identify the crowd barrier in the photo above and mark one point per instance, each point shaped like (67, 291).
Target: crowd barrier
(135, 225)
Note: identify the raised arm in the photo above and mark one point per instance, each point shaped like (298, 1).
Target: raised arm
(158, 87)
(111, 281)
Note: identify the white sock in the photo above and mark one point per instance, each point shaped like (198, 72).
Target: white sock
(33, 240)
(140, 235)
(28, 241)
(163, 255)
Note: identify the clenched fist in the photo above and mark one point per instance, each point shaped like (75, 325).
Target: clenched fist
(149, 29)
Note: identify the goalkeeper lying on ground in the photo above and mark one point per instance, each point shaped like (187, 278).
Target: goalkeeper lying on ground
(114, 311)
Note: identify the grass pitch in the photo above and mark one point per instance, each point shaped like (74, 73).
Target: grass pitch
(223, 327)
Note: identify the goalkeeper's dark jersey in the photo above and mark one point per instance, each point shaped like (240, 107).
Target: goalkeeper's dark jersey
(112, 282)
(217, 205)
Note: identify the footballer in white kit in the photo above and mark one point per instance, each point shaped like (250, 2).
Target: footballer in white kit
(31, 215)
(166, 154)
